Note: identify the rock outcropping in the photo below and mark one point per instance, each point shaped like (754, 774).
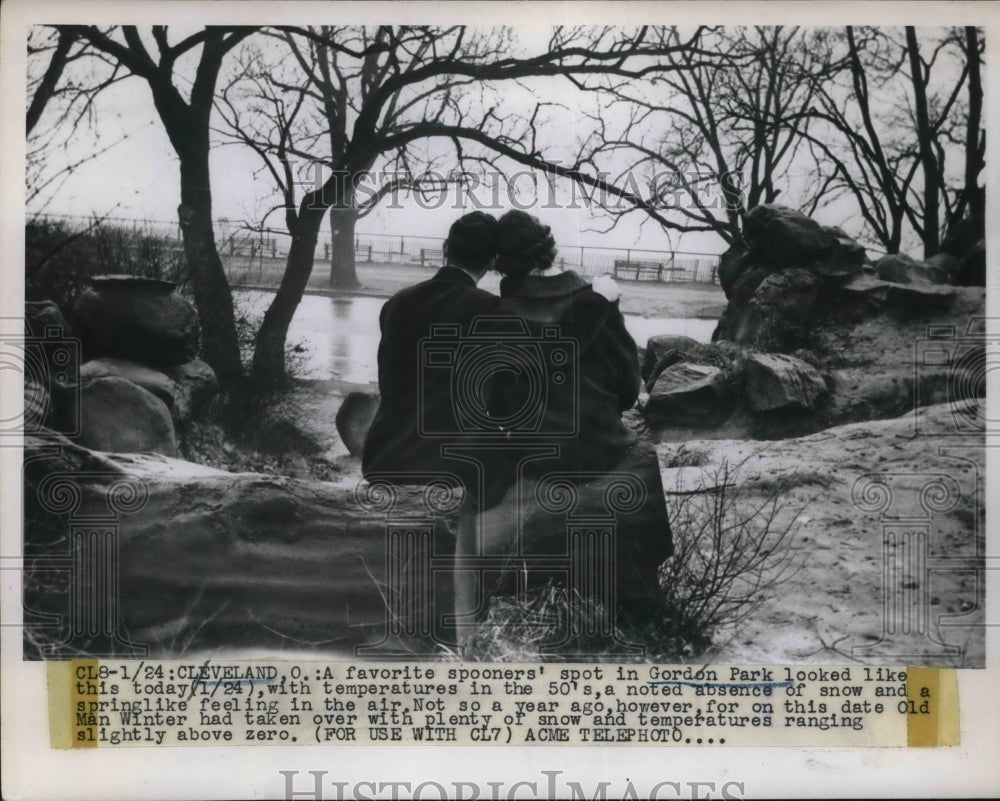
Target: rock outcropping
(812, 336)
(139, 381)
(209, 559)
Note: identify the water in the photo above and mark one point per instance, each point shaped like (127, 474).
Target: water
(338, 337)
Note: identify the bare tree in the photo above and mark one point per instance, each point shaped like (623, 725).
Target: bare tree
(707, 132)
(385, 92)
(972, 197)
(60, 108)
(186, 121)
(879, 127)
(293, 103)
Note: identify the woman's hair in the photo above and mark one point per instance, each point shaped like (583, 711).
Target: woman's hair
(472, 240)
(525, 245)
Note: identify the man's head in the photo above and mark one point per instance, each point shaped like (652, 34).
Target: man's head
(472, 243)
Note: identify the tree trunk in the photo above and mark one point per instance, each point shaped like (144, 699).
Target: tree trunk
(343, 272)
(927, 158)
(213, 297)
(47, 86)
(973, 155)
(268, 369)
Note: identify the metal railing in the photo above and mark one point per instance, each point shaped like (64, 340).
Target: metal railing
(256, 247)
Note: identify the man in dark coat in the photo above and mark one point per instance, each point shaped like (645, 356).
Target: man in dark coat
(404, 444)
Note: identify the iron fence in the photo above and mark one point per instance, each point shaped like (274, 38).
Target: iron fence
(243, 248)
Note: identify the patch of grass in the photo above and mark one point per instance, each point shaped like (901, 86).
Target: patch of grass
(207, 444)
(553, 624)
(687, 457)
(733, 549)
(786, 482)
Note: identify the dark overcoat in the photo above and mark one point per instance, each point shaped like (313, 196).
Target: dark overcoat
(413, 400)
(590, 404)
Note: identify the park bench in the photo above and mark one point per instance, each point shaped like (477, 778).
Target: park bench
(643, 270)
(252, 246)
(431, 258)
(638, 270)
(362, 253)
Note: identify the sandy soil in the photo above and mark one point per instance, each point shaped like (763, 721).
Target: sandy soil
(852, 491)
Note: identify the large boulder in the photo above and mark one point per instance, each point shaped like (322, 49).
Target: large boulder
(845, 260)
(195, 386)
(775, 381)
(50, 360)
(782, 237)
(354, 418)
(851, 250)
(117, 416)
(140, 319)
(208, 559)
(775, 316)
(943, 267)
(901, 269)
(687, 394)
(917, 299)
(151, 380)
(731, 264)
(873, 295)
(664, 350)
(42, 316)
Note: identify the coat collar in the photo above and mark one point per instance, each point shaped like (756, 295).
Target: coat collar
(455, 275)
(543, 286)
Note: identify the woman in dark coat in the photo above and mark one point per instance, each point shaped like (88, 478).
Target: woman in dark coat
(599, 478)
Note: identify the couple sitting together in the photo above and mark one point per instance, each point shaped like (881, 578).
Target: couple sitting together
(516, 397)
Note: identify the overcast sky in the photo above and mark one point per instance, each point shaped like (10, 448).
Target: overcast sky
(138, 177)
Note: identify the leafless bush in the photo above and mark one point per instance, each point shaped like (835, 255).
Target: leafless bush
(733, 548)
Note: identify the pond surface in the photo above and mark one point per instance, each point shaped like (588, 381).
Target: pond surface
(338, 337)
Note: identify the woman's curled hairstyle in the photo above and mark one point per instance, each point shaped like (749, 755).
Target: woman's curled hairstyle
(525, 245)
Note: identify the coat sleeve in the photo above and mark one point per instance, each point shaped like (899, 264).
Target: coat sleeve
(623, 358)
